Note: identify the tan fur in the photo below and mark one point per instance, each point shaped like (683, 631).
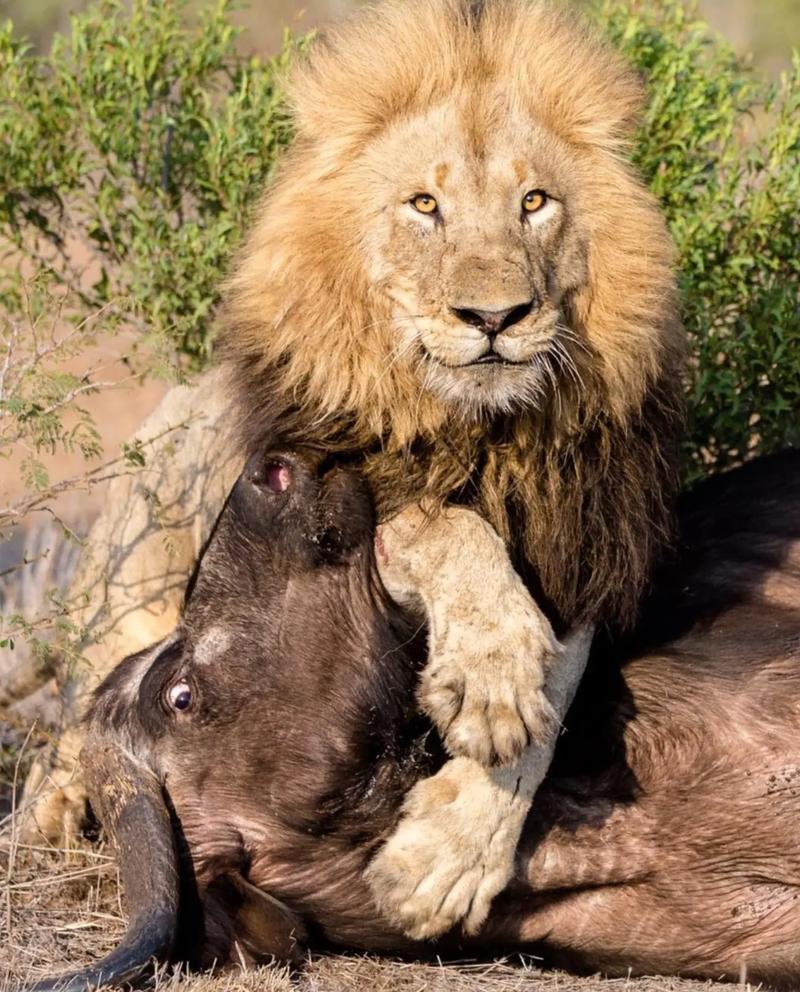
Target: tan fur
(340, 295)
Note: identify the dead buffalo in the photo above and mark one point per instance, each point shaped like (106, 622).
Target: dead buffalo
(250, 765)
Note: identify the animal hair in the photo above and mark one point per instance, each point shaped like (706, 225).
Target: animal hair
(581, 483)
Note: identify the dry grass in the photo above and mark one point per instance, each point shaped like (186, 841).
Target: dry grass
(61, 908)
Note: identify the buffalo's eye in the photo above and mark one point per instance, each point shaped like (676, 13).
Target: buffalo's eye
(179, 696)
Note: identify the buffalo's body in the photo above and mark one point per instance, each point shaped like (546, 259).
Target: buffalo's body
(663, 841)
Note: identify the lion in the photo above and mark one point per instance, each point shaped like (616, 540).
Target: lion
(458, 283)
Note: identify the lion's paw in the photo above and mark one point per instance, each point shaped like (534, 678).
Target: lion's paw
(484, 685)
(451, 854)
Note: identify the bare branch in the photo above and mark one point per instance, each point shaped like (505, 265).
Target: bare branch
(111, 469)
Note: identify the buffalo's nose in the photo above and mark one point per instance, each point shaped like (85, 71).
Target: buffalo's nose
(279, 471)
(492, 322)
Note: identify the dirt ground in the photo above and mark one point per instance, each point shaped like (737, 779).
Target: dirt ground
(60, 909)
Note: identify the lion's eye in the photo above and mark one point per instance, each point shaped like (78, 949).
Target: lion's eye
(179, 696)
(534, 201)
(425, 203)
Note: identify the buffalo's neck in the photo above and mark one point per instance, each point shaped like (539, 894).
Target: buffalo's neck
(320, 844)
(353, 743)
(319, 873)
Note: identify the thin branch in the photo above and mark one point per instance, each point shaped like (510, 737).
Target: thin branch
(70, 397)
(100, 473)
(23, 563)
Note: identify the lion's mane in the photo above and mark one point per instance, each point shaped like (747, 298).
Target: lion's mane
(581, 490)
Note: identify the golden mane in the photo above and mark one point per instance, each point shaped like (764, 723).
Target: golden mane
(581, 489)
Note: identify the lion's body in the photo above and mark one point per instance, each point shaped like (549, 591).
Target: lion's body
(339, 323)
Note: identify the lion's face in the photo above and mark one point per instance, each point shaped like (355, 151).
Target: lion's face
(456, 235)
(479, 244)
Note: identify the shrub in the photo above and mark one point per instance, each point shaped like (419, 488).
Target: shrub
(142, 140)
(720, 147)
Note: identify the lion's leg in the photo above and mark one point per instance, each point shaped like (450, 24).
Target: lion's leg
(497, 678)
(133, 572)
(454, 848)
(490, 645)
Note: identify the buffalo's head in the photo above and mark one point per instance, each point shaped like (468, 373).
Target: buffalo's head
(258, 725)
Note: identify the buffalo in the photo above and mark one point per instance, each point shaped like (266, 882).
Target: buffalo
(250, 765)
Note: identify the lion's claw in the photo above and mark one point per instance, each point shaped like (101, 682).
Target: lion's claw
(489, 722)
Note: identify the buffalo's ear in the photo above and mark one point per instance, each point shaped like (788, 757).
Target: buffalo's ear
(264, 927)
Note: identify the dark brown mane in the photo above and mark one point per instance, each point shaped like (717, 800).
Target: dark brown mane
(584, 513)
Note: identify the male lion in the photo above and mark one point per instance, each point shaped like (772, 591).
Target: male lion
(459, 284)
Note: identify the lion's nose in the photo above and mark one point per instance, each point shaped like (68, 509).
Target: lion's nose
(492, 322)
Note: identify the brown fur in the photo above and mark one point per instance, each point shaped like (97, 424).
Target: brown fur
(579, 483)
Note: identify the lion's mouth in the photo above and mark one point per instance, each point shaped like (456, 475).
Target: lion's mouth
(492, 358)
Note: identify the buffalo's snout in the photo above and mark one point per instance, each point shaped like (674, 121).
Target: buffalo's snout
(283, 473)
(302, 497)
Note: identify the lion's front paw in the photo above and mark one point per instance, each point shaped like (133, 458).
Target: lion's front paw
(452, 853)
(484, 685)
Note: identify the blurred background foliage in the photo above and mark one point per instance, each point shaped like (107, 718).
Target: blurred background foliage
(767, 28)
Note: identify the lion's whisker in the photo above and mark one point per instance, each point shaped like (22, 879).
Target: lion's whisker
(567, 362)
(565, 331)
(396, 355)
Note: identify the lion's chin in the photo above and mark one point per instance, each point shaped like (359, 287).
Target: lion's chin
(476, 391)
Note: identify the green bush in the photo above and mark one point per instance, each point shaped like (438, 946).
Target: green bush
(142, 140)
(720, 147)
(145, 140)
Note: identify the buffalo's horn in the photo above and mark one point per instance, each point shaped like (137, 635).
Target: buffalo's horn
(128, 799)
